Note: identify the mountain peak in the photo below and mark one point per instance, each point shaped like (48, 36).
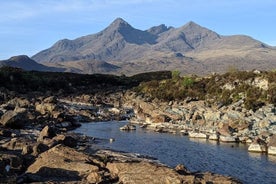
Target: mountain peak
(20, 58)
(119, 22)
(192, 24)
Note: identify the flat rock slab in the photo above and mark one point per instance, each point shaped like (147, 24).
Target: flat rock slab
(145, 172)
(62, 163)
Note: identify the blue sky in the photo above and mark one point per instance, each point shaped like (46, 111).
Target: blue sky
(29, 26)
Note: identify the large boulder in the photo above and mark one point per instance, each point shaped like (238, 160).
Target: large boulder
(44, 108)
(14, 119)
(62, 163)
(228, 139)
(197, 135)
(143, 172)
(258, 145)
(146, 172)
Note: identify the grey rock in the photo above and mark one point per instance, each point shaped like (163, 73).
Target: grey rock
(14, 119)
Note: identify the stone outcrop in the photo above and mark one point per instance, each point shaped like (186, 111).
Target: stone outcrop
(232, 123)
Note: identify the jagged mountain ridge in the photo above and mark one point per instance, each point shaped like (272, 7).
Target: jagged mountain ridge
(133, 50)
(111, 43)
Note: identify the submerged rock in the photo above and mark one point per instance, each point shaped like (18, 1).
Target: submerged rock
(128, 127)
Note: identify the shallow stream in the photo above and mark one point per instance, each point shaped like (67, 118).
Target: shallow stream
(196, 154)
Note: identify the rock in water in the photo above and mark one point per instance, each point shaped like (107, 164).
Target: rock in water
(197, 135)
(128, 127)
(258, 146)
(227, 138)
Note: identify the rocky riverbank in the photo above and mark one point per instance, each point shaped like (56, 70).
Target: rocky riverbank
(198, 119)
(36, 145)
(37, 111)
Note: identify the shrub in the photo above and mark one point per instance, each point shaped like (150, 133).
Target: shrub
(187, 81)
(175, 74)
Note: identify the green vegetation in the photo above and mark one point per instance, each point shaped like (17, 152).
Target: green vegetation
(241, 86)
(216, 89)
(20, 81)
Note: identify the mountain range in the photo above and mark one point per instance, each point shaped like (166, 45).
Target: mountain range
(122, 49)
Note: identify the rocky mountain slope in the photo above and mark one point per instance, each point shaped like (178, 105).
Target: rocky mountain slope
(190, 49)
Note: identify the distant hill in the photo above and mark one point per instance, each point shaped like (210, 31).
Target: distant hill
(120, 48)
(27, 63)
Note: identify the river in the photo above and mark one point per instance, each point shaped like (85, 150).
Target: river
(196, 154)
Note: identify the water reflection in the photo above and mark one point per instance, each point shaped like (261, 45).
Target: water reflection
(198, 140)
(256, 155)
(272, 158)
